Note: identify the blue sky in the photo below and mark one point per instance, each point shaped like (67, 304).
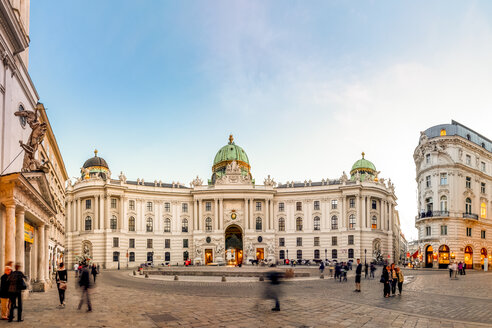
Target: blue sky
(304, 86)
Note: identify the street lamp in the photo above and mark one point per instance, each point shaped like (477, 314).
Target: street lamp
(365, 256)
(288, 255)
(326, 254)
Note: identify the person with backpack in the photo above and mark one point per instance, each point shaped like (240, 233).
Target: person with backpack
(61, 282)
(17, 284)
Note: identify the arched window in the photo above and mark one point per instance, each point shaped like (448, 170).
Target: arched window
(167, 225)
(150, 225)
(282, 254)
(131, 224)
(299, 224)
(281, 224)
(374, 222)
(317, 223)
(444, 204)
(184, 227)
(299, 254)
(352, 221)
(167, 256)
(334, 222)
(208, 224)
(334, 254)
(22, 119)
(88, 223)
(468, 206)
(316, 254)
(150, 256)
(113, 223)
(483, 211)
(131, 257)
(258, 224)
(351, 253)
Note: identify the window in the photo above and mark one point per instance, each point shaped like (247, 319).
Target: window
(299, 241)
(468, 136)
(444, 204)
(167, 243)
(468, 232)
(185, 256)
(281, 207)
(22, 119)
(334, 222)
(185, 243)
(113, 223)
(258, 224)
(88, 223)
(443, 132)
(427, 231)
(374, 205)
(208, 206)
(468, 160)
(482, 188)
(184, 207)
(352, 222)
(281, 242)
(483, 210)
(334, 204)
(131, 258)
(427, 158)
(116, 256)
(333, 241)
(334, 254)
(299, 254)
(316, 241)
(149, 243)
(350, 240)
(429, 204)
(184, 226)
(352, 202)
(131, 224)
(468, 206)
(116, 242)
(258, 206)
(150, 256)
(316, 254)
(482, 234)
(482, 166)
(208, 224)
(150, 225)
(299, 224)
(167, 225)
(131, 243)
(317, 223)
(351, 253)
(444, 179)
(444, 230)
(316, 205)
(468, 182)
(87, 204)
(282, 254)
(281, 224)
(113, 202)
(374, 222)
(167, 207)
(298, 206)
(167, 256)
(149, 206)
(428, 181)
(131, 205)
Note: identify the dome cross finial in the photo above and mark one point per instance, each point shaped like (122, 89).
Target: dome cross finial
(231, 139)
(95, 152)
(363, 154)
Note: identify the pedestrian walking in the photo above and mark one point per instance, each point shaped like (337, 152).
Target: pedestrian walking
(17, 284)
(94, 272)
(394, 280)
(321, 267)
(366, 270)
(76, 270)
(455, 270)
(373, 269)
(61, 283)
(337, 271)
(385, 279)
(460, 268)
(358, 274)
(464, 269)
(272, 290)
(450, 268)
(4, 293)
(400, 280)
(85, 284)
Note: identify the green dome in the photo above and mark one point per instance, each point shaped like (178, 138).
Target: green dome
(363, 167)
(231, 152)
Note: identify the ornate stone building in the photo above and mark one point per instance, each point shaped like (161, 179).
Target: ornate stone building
(32, 173)
(454, 167)
(231, 219)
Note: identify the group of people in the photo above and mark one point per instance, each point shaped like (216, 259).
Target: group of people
(456, 268)
(12, 283)
(392, 277)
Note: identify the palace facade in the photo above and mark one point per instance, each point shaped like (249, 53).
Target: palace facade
(454, 176)
(231, 218)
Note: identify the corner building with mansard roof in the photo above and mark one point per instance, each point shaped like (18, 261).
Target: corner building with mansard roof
(230, 219)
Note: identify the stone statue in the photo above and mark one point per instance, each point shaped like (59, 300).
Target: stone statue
(122, 177)
(219, 249)
(269, 181)
(250, 250)
(344, 177)
(31, 147)
(198, 252)
(196, 182)
(84, 172)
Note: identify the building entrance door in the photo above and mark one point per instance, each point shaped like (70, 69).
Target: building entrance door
(429, 256)
(469, 257)
(234, 245)
(260, 254)
(209, 256)
(443, 257)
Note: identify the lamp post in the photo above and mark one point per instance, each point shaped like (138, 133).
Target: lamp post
(127, 255)
(288, 255)
(326, 254)
(365, 257)
(118, 260)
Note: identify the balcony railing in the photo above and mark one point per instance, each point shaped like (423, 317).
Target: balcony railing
(470, 216)
(431, 214)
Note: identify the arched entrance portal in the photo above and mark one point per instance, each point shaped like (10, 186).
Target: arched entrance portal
(429, 256)
(443, 257)
(483, 255)
(234, 245)
(469, 257)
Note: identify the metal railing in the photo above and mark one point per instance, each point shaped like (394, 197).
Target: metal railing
(431, 214)
(470, 216)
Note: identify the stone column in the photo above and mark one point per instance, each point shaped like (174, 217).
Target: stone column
(34, 256)
(101, 212)
(80, 219)
(121, 219)
(221, 213)
(267, 215)
(272, 223)
(97, 219)
(47, 252)
(41, 272)
(69, 217)
(195, 215)
(250, 213)
(343, 215)
(200, 218)
(368, 224)
(2, 236)
(216, 214)
(19, 239)
(10, 234)
(246, 221)
(381, 215)
(107, 211)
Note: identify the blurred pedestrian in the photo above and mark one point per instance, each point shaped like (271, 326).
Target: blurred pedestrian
(460, 268)
(17, 284)
(385, 279)
(358, 274)
(85, 284)
(76, 269)
(321, 267)
(366, 270)
(373, 269)
(272, 290)
(4, 293)
(61, 283)
(400, 278)
(94, 272)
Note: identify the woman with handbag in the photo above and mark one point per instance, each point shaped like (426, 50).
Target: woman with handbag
(61, 283)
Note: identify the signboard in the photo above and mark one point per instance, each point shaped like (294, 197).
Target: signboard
(28, 233)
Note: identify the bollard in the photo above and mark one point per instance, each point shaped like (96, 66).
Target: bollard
(322, 276)
(146, 275)
(223, 278)
(176, 277)
(134, 273)
(262, 278)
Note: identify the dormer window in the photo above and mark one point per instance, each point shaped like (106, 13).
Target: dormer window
(443, 132)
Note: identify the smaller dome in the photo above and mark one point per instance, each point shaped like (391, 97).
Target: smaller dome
(363, 167)
(95, 161)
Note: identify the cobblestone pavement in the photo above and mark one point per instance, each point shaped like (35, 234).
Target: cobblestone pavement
(430, 299)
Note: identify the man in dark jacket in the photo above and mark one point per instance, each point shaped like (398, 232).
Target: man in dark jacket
(85, 284)
(358, 274)
(16, 285)
(4, 293)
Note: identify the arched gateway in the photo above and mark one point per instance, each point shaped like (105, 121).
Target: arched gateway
(234, 245)
(429, 256)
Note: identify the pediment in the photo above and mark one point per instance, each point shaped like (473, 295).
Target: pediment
(39, 182)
